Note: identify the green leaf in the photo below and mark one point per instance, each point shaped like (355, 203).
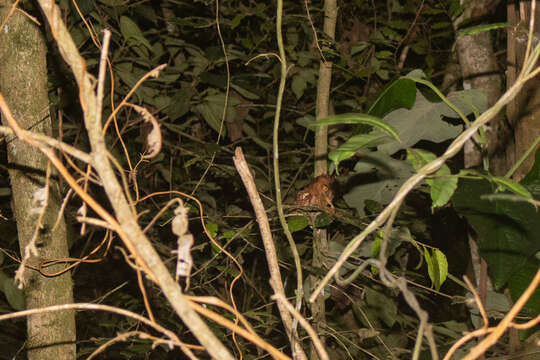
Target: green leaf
(385, 54)
(390, 175)
(399, 24)
(424, 120)
(507, 184)
(131, 75)
(237, 20)
(231, 270)
(132, 33)
(441, 25)
(358, 47)
(532, 179)
(323, 220)
(308, 121)
(212, 110)
(482, 28)
(356, 143)
(214, 80)
(180, 103)
(442, 265)
(503, 184)
(399, 94)
(375, 248)
(212, 116)
(300, 81)
(442, 189)
(356, 118)
(298, 86)
(79, 36)
(245, 93)
(431, 268)
(385, 306)
(253, 135)
(456, 9)
(437, 267)
(507, 234)
(442, 184)
(212, 228)
(297, 223)
(418, 158)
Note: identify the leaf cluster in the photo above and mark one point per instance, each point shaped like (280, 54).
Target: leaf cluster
(218, 91)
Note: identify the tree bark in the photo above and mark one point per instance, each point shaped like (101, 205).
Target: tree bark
(523, 112)
(23, 82)
(480, 71)
(320, 238)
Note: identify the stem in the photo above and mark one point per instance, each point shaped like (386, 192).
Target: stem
(320, 236)
(279, 203)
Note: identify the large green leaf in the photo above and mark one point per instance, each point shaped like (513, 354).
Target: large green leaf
(424, 121)
(501, 184)
(400, 94)
(297, 223)
(507, 232)
(390, 175)
(355, 143)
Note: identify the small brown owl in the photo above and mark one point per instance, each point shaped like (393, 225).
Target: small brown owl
(319, 193)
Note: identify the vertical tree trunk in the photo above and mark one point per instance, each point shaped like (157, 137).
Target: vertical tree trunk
(23, 82)
(479, 69)
(320, 241)
(523, 112)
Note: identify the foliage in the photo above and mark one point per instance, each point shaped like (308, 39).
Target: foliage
(507, 228)
(386, 127)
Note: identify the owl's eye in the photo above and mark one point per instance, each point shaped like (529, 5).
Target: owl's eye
(324, 188)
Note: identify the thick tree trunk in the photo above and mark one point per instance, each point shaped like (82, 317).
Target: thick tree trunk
(480, 71)
(23, 82)
(523, 112)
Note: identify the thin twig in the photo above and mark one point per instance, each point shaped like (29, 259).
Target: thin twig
(478, 302)
(505, 323)
(101, 76)
(46, 140)
(97, 307)
(269, 246)
(323, 355)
